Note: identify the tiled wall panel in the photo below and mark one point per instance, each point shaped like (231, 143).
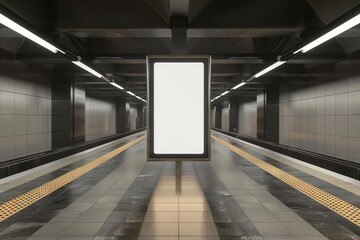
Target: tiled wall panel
(247, 118)
(25, 109)
(100, 118)
(324, 117)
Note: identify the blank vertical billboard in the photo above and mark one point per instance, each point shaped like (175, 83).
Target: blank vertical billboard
(178, 116)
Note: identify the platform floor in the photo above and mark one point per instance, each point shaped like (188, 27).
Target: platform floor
(244, 192)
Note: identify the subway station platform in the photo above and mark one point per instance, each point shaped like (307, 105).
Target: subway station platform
(244, 192)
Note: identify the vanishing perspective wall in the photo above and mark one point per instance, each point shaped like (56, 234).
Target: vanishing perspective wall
(247, 117)
(100, 118)
(324, 117)
(25, 108)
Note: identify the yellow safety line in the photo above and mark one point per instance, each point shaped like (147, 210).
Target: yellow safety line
(17, 204)
(339, 206)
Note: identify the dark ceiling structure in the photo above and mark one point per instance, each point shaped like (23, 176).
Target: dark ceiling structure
(241, 36)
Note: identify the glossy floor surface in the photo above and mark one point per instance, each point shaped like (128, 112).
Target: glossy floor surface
(128, 198)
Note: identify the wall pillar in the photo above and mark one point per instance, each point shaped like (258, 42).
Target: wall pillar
(61, 111)
(121, 116)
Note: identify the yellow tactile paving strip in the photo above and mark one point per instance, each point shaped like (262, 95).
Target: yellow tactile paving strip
(339, 206)
(17, 204)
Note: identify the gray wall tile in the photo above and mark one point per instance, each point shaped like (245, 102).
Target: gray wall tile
(20, 124)
(7, 103)
(353, 102)
(320, 106)
(341, 103)
(32, 124)
(330, 125)
(330, 105)
(32, 105)
(353, 83)
(6, 147)
(20, 103)
(330, 145)
(341, 146)
(32, 143)
(353, 125)
(353, 147)
(20, 145)
(332, 111)
(341, 125)
(6, 125)
(21, 86)
(7, 84)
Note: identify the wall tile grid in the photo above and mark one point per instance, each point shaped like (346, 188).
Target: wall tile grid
(225, 116)
(133, 116)
(247, 118)
(325, 117)
(100, 118)
(25, 112)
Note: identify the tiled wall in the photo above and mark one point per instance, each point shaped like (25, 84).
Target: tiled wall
(324, 117)
(25, 109)
(225, 116)
(247, 118)
(100, 118)
(133, 116)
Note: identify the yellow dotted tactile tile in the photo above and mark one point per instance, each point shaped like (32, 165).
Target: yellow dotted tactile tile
(17, 204)
(339, 206)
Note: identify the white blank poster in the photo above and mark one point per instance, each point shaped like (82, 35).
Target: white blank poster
(178, 108)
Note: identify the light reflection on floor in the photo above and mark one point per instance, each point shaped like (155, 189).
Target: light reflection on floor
(176, 213)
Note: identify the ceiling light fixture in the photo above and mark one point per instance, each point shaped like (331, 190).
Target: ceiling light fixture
(116, 85)
(239, 85)
(26, 33)
(88, 69)
(331, 34)
(269, 68)
(131, 93)
(224, 93)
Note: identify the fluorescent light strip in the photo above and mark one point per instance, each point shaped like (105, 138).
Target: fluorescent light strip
(26, 33)
(87, 68)
(224, 93)
(333, 33)
(116, 85)
(268, 69)
(239, 85)
(132, 94)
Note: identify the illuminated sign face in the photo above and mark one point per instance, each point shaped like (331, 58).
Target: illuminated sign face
(178, 115)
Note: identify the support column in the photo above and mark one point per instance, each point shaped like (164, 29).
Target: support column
(79, 112)
(121, 115)
(233, 115)
(272, 113)
(61, 111)
(268, 113)
(260, 102)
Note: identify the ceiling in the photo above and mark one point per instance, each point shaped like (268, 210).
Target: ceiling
(241, 36)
